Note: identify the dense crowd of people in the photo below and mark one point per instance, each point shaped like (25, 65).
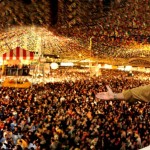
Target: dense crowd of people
(67, 115)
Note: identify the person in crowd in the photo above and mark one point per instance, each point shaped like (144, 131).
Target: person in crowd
(67, 115)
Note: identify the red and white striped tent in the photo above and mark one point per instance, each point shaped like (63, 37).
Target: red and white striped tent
(18, 54)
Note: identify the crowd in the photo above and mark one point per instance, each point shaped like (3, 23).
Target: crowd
(67, 115)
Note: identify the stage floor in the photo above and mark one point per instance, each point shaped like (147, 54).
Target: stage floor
(33, 80)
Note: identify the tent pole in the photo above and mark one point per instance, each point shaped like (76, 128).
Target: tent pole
(17, 77)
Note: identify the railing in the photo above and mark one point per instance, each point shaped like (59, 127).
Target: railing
(16, 71)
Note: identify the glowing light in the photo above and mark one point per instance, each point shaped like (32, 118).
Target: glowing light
(54, 65)
(67, 64)
(128, 68)
(1, 62)
(99, 66)
(121, 68)
(141, 69)
(106, 66)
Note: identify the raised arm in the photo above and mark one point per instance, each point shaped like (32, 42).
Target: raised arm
(141, 93)
(109, 95)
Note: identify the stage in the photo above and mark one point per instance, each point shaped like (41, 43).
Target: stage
(16, 83)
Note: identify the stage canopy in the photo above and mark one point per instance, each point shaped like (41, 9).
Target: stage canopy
(18, 54)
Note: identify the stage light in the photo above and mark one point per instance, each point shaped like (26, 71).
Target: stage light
(54, 65)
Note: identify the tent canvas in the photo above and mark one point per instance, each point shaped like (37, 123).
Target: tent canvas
(18, 54)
